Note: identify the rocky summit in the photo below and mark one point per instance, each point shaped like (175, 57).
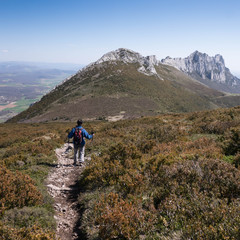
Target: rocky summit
(124, 84)
(208, 70)
(147, 64)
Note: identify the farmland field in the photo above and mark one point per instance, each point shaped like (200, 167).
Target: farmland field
(22, 85)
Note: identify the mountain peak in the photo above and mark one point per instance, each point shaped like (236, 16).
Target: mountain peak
(147, 64)
(198, 56)
(219, 58)
(205, 67)
(121, 54)
(196, 53)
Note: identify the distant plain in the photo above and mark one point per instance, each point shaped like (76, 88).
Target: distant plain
(22, 84)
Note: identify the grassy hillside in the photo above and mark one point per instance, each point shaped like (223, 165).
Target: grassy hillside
(170, 176)
(108, 89)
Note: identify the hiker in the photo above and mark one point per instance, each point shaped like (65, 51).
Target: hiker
(79, 133)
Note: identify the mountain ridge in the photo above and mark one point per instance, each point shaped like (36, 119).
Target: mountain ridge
(147, 64)
(208, 70)
(124, 83)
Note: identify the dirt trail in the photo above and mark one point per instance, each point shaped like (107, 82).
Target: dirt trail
(62, 187)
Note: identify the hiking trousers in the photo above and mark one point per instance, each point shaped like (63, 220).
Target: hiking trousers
(79, 152)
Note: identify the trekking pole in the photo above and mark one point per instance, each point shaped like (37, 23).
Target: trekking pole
(92, 133)
(66, 140)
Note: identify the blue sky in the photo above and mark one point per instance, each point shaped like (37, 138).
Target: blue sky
(82, 31)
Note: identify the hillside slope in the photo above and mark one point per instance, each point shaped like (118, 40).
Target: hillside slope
(174, 176)
(123, 83)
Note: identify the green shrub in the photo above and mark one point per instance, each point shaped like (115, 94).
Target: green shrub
(29, 216)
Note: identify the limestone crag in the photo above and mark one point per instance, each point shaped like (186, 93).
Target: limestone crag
(147, 64)
(206, 67)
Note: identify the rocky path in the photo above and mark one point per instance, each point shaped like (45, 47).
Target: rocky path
(62, 187)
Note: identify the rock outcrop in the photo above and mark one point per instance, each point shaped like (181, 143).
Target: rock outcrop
(147, 64)
(201, 66)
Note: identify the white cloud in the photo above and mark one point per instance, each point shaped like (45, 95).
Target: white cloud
(4, 51)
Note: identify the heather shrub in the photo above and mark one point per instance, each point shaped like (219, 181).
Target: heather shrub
(212, 177)
(37, 146)
(109, 166)
(163, 133)
(198, 197)
(29, 233)
(178, 171)
(207, 147)
(17, 190)
(122, 152)
(27, 152)
(215, 122)
(38, 151)
(231, 142)
(29, 216)
(200, 216)
(131, 182)
(216, 127)
(236, 161)
(117, 218)
(145, 146)
(101, 172)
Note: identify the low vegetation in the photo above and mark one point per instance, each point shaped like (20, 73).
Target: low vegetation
(26, 154)
(171, 176)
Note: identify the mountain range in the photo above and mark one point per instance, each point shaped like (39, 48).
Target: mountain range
(125, 84)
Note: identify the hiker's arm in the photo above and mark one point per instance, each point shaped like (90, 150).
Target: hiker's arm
(70, 135)
(86, 135)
